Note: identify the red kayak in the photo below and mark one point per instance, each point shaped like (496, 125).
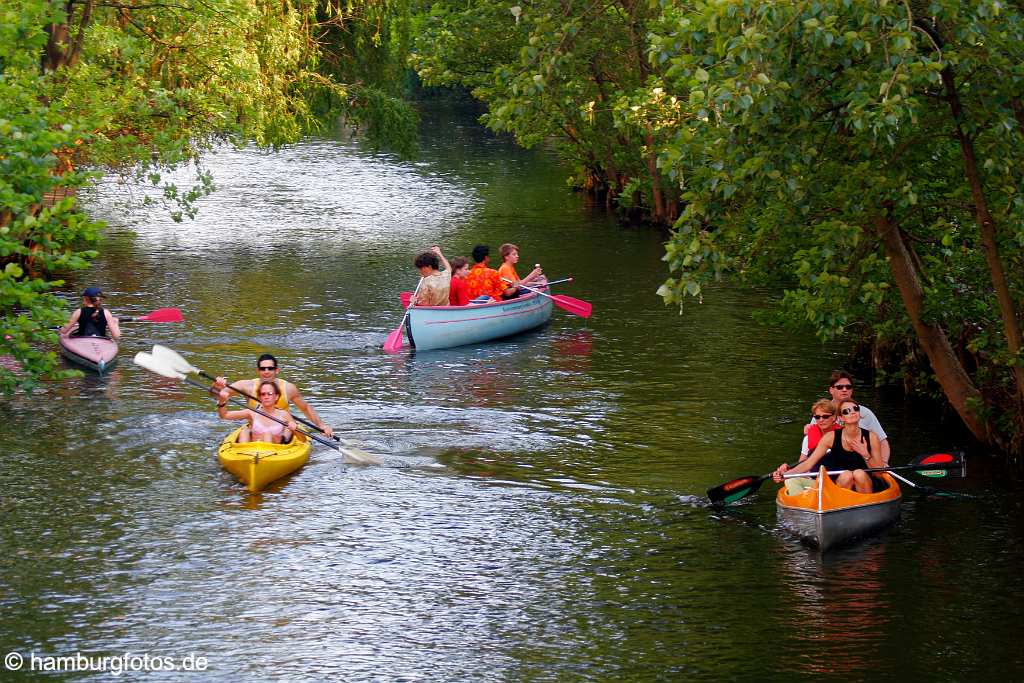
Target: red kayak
(96, 353)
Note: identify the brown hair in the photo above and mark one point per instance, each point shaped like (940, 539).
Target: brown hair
(838, 375)
(457, 263)
(507, 249)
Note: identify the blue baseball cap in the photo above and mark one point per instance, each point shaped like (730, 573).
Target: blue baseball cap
(92, 291)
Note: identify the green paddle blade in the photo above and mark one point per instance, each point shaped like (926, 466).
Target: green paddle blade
(731, 491)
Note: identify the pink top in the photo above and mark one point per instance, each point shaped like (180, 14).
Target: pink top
(262, 425)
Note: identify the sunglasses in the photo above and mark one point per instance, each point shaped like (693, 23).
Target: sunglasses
(851, 409)
(822, 417)
(267, 393)
(268, 367)
(842, 387)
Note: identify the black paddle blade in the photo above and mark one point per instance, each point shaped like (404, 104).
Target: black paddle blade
(731, 491)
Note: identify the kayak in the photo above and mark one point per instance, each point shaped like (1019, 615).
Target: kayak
(95, 353)
(258, 463)
(444, 327)
(830, 515)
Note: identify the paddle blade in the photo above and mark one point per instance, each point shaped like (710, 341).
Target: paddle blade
(147, 361)
(393, 344)
(163, 315)
(945, 464)
(173, 359)
(731, 491)
(358, 456)
(574, 306)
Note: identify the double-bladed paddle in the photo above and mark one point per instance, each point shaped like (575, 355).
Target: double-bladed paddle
(406, 297)
(161, 364)
(935, 464)
(567, 303)
(175, 360)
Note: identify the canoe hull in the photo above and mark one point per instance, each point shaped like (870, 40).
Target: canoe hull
(444, 327)
(98, 354)
(257, 464)
(835, 516)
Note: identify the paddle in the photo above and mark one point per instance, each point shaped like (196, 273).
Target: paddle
(149, 362)
(574, 306)
(174, 360)
(731, 491)
(393, 344)
(160, 315)
(936, 465)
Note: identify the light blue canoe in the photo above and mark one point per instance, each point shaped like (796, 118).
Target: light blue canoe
(442, 327)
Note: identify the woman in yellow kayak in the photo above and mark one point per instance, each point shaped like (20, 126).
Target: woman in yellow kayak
(260, 428)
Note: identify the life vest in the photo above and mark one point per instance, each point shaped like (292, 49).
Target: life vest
(282, 399)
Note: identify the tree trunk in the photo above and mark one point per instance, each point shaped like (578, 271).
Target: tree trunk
(952, 377)
(987, 227)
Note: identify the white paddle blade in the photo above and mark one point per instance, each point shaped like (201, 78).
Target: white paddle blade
(147, 361)
(173, 359)
(357, 456)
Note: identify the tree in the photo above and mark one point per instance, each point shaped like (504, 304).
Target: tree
(557, 71)
(141, 87)
(871, 152)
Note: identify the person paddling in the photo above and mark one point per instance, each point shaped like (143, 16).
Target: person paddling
(851, 449)
(260, 427)
(287, 393)
(92, 320)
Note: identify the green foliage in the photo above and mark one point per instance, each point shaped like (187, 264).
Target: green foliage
(556, 72)
(797, 123)
(142, 88)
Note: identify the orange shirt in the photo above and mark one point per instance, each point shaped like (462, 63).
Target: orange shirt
(484, 280)
(508, 271)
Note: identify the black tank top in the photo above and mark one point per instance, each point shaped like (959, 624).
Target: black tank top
(841, 459)
(92, 322)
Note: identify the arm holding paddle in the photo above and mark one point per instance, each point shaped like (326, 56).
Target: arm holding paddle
(810, 462)
(295, 397)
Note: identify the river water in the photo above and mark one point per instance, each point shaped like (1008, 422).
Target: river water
(539, 513)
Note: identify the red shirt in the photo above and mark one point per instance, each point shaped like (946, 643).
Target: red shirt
(814, 435)
(458, 295)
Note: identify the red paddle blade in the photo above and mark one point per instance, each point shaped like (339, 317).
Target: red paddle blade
(405, 297)
(163, 315)
(952, 465)
(574, 306)
(393, 344)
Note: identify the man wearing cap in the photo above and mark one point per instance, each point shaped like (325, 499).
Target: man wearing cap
(92, 319)
(287, 392)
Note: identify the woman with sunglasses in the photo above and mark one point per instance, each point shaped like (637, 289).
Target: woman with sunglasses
(851, 449)
(260, 427)
(823, 421)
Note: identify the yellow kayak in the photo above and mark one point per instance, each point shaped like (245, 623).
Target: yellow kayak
(258, 463)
